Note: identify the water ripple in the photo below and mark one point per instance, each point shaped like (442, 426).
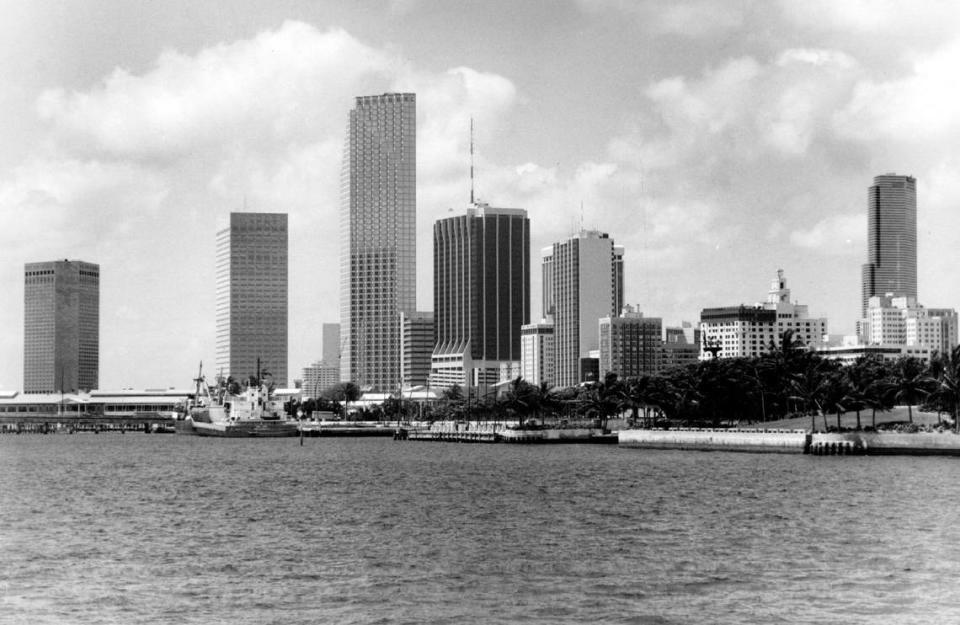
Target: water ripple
(159, 529)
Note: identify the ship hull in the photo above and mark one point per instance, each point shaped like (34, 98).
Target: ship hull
(247, 429)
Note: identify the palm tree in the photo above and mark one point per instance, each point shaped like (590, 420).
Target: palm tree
(603, 399)
(522, 399)
(912, 382)
(809, 386)
(836, 395)
(948, 383)
(345, 392)
(858, 377)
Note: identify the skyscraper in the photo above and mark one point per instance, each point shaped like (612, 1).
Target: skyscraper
(891, 265)
(252, 296)
(481, 294)
(582, 283)
(377, 237)
(61, 326)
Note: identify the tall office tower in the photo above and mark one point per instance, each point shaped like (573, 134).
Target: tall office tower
(61, 326)
(891, 265)
(481, 294)
(378, 245)
(252, 296)
(582, 283)
(417, 342)
(331, 345)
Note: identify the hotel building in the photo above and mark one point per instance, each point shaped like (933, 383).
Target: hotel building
(61, 327)
(377, 237)
(739, 331)
(251, 294)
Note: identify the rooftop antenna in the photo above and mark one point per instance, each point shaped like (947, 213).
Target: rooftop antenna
(581, 215)
(471, 161)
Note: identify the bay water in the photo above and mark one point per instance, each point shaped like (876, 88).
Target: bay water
(136, 528)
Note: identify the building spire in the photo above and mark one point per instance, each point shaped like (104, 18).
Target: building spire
(471, 162)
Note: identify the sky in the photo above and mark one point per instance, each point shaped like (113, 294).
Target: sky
(717, 141)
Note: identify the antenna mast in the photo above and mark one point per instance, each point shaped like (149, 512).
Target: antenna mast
(471, 161)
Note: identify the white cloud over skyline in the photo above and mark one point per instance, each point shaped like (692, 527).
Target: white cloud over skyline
(735, 156)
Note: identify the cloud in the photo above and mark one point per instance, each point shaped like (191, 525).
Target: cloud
(272, 88)
(685, 18)
(918, 106)
(837, 234)
(139, 171)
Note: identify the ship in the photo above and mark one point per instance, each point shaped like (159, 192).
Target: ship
(229, 410)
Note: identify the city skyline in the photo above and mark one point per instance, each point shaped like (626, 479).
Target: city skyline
(744, 141)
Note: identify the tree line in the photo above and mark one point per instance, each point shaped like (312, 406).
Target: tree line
(787, 381)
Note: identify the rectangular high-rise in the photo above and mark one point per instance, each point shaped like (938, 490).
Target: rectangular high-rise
(891, 265)
(416, 338)
(378, 244)
(251, 284)
(61, 327)
(481, 294)
(582, 283)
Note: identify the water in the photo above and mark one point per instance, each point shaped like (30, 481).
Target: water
(141, 528)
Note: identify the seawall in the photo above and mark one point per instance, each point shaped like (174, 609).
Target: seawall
(796, 441)
(887, 443)
(779, 441)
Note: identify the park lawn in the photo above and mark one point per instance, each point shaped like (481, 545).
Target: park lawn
(849, 419)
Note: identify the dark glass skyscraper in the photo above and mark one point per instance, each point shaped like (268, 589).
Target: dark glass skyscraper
(378, 242)
(61, 327)
(252, 296)
(891, 265)
(481, 294)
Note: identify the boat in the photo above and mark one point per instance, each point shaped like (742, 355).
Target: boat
(228, 411)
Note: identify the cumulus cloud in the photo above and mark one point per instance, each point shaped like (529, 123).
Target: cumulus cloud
(837, 234)
(918, 106)
(270, 88)
(255, 123)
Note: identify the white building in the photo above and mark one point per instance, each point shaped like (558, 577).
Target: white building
(900, 320)
(582, 283)
(536, 352)
(747, 331)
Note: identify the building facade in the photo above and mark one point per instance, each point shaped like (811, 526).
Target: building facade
(582, 283)
(891, 265)
(481, 295)
(900, 321)
(681, 346)
(331, 345)
(536, 353)
(61, 327)
(631, 345)
(319, 377)
(252, 296)
(417, 342)
(747, 331)
(377, 237)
